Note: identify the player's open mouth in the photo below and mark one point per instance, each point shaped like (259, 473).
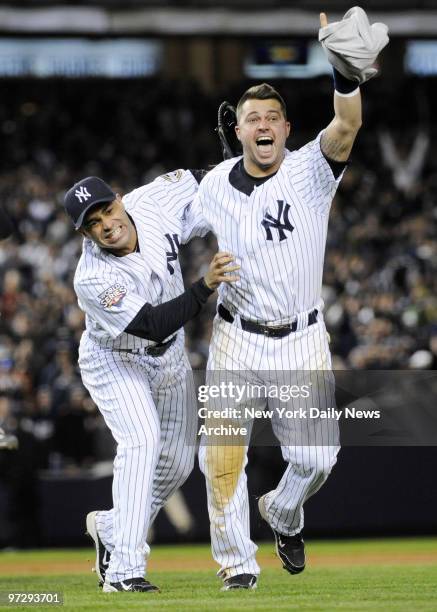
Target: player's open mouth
(114, 235)
(264, 145)
(264, 141)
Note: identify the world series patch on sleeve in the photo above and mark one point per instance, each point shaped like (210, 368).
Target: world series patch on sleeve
(112, 296)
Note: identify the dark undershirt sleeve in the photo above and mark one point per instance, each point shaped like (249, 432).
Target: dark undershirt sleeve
(6, 227)
(157, 322)
(337, 167)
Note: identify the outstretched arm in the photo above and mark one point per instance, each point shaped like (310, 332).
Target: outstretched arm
(158, 322)
(339, 136)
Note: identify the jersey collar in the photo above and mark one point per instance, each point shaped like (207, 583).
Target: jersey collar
(242, 181)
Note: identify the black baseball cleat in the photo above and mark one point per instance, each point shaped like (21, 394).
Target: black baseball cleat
(241, 581)
(102, 554)
(132, 585)
(289, 549)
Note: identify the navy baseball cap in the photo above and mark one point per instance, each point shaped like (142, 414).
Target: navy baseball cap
(84, 195)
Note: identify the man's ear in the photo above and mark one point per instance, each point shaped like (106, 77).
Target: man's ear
(119, 201)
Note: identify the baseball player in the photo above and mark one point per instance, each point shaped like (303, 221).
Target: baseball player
(132, 361)
(270, 208)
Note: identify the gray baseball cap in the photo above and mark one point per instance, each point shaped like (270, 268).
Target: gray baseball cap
(84, 195)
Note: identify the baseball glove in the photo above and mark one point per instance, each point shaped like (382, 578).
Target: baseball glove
(226, 122)
(352, 45)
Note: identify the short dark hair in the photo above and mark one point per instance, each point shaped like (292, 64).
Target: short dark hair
(261, 92)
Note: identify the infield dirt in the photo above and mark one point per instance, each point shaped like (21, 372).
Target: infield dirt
(195, 558)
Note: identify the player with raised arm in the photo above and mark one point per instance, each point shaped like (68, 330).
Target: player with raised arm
(270, 208)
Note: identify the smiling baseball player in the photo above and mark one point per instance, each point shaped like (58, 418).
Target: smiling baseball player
(132, 361)
(270, 208)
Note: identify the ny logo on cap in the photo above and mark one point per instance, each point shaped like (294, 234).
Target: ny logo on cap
(82, 194)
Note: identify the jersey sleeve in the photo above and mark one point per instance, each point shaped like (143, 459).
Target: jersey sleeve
(174, 193)
(171, 192)
(111, 301)
(312, 177)
(194, 223)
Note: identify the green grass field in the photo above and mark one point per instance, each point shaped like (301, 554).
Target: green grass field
(350, 575)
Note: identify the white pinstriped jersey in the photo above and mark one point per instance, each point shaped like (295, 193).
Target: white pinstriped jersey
(277, 234)
(111, 290)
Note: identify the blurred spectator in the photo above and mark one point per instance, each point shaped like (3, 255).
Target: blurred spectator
(18, 482)
(406, 164)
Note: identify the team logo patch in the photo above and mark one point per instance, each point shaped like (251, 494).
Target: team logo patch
(112, 296)
(173, 177)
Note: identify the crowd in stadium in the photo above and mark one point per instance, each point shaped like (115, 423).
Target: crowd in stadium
(380, 286)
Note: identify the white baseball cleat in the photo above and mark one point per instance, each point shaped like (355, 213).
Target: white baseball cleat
(102, 554)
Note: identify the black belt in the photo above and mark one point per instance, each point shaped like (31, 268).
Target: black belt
(276, 331)
(154, 351)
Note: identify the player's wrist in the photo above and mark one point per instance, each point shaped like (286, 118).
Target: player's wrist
(343, 86)
(202, 290)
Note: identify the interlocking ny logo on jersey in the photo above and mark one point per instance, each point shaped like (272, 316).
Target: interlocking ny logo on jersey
(172, 255)
(112, 296)
(281, 223)
(82, 194)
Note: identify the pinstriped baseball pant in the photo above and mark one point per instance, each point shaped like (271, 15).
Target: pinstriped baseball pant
(149, 405)
(310, 451)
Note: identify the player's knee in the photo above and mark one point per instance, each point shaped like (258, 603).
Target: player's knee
(321, 472)
(187, 467)
(201, 458)
(148, 441)
(319, 464)
(183, 467)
